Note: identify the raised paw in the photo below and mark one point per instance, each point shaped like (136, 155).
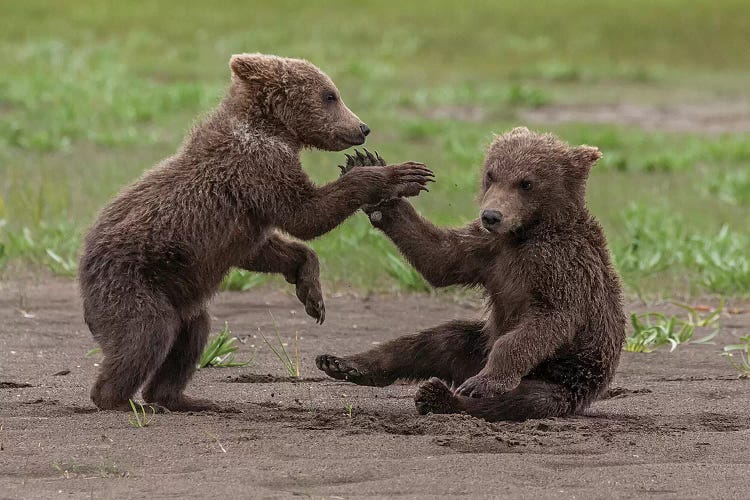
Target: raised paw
(408, 179)
(311, 296)
(484, 386)
(343, 369)
(316, 309)
(435, 397)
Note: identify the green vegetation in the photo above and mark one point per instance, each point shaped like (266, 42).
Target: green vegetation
(742, 350)
(219, 351)
(91, 95)
(290, 365)
(652, 330)
(140, 417)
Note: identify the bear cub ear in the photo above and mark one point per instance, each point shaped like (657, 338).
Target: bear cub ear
(254, 67)
(520, 131)
(585, 156)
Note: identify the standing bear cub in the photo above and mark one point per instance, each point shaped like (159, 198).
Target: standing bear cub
(158, 252)
(555, 325)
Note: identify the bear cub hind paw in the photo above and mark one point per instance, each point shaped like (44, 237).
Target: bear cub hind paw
(435, 397)
(343, 369)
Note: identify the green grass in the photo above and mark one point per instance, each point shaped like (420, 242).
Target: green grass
(652, 330)
(219, 352)
(291, 365)
(140, 417)
(739, 355)
(91, 95)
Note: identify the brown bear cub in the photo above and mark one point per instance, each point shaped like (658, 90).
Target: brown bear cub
(158, 252)
(555, 324)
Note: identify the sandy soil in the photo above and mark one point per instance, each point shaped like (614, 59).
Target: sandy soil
(676, 425)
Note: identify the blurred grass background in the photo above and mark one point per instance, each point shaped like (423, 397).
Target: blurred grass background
(94, 93)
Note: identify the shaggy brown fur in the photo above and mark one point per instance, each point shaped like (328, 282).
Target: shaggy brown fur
(159, 251)
(553, 335)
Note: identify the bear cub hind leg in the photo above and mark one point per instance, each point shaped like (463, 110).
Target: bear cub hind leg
(166, 386)
(453, 351)
(131, 352)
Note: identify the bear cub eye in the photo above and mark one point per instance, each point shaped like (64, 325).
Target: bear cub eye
(330, 97)
(525, 185)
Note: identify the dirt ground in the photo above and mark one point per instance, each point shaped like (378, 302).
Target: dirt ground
(675, 425)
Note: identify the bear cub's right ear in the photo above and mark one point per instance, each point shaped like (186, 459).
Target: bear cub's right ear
(254, 67)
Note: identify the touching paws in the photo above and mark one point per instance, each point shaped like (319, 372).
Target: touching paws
(401, 180)
(362, 160)
(484, 386)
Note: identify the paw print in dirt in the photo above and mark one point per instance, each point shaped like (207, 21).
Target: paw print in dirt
(362, 160)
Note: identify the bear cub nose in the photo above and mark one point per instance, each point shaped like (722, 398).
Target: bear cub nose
(491, 218)
(365, 129)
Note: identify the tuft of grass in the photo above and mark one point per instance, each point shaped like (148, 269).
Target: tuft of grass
(652, 330)
(220, 350)
(291, 366)
(140, 418)
(349, 410)
(698, 319)
(742, 350)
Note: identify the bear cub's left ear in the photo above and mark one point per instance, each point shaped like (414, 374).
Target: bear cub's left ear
(585, 156)
(255, 67)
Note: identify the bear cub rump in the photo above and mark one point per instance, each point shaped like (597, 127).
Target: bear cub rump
(159, 250)
(553, 334)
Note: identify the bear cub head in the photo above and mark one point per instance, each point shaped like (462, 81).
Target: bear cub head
(531, 178)
(297, 98)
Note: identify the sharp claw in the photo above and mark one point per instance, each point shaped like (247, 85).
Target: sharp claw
(350, 161)
(370, 157)
(380, 159)
(360, 157)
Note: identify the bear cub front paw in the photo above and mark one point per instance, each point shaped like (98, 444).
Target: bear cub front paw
(403, 180)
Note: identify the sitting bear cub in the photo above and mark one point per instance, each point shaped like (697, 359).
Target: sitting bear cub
(555, 326)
